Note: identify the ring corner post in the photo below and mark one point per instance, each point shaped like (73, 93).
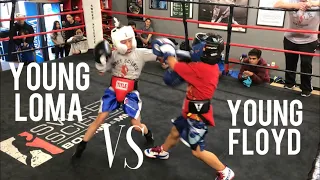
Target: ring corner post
(11, 43)
(93, 21)
(229, 32)
(185, 24)
(43, 38)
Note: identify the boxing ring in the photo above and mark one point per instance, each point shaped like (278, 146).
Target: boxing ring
(43, 149)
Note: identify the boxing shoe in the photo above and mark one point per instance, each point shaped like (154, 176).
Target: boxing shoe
(226, 174)
(149, 138)
(79, 150)
(156, 153)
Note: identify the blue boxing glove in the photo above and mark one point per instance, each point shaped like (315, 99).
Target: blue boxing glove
(163, 47)
(171, 78)
(183, 56)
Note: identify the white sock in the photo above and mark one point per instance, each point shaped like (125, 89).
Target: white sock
(225, 170)
(162, 149)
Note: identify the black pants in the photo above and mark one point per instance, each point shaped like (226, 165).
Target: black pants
(58, 51)
(306, 63)
(67, 48)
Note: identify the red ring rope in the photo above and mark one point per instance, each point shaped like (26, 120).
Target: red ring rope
(274, 49)
(169, 35)
(43, 33)
(40, 16)
(276, 29)
(212, 23)
(231, 44)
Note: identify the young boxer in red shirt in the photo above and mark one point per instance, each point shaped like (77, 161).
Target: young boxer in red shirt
(202, 76)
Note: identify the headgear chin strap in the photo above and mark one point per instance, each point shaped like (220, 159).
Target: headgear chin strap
(119, 34)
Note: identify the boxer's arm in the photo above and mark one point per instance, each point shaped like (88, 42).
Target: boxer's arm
(181, 56)
(172, 61)
(146, 54)
(186, 71)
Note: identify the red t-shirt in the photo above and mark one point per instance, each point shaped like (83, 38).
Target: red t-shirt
(202, 82)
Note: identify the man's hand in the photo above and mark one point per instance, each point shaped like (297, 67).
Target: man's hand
(248, 73)
(76, 52)
(304, 5)
(144, 41)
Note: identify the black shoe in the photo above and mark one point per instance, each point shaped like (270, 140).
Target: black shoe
(305, 93)
(149, 138)
(80, 148)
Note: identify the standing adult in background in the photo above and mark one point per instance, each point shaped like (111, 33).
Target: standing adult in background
(58, 40)
(145, 37)
(25, 57)
(305, 42)
(21, 26)
(70, 33)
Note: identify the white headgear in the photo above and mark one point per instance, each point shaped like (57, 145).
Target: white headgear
(119, 34)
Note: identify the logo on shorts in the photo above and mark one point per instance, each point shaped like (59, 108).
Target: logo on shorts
(198, 106)
(121, 85)
(29, 150)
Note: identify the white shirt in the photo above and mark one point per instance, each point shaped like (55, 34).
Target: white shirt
(129, 65)
(78, 45)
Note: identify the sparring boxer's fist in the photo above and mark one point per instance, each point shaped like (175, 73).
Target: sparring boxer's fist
(102, 52)
(172, 79)
(103, 48)
(163, 47)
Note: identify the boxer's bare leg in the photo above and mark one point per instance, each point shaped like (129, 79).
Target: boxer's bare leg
(142, 127)
(172, 139)
(90, 132)
(95, 125)
(139, 126)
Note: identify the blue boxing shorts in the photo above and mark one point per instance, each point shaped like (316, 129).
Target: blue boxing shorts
(192, 132)
(132, 103)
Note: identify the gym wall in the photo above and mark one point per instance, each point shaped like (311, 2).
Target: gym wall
(254, 37)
